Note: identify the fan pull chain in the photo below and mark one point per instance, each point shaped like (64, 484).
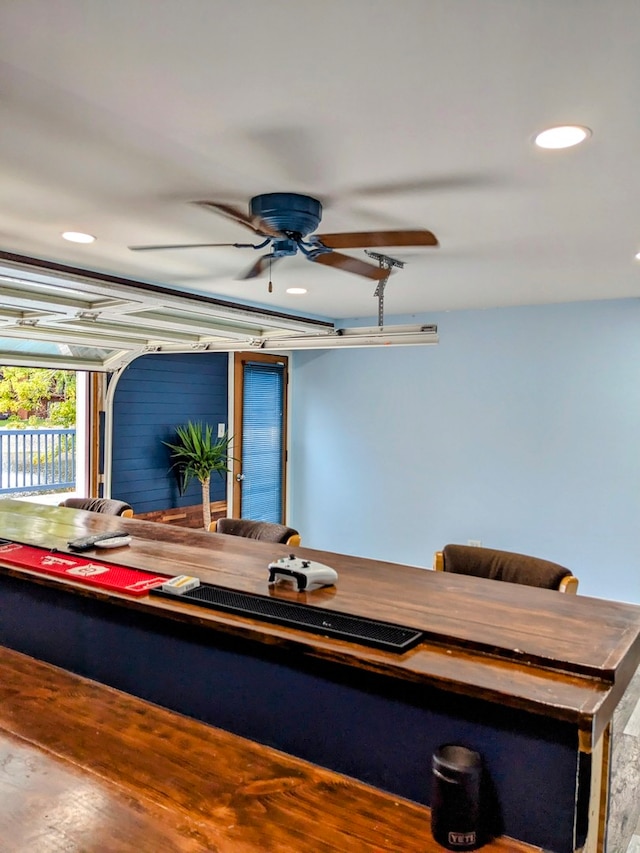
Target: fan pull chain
(270, 288)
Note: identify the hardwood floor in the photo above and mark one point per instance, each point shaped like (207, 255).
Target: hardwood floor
(623, 834)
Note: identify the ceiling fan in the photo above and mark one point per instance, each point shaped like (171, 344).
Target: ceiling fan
(284, 220)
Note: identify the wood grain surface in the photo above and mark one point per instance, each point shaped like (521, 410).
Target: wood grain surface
(569, 657)
(87, 768)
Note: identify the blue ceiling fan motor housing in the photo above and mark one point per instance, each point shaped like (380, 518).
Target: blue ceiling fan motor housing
(290, 213)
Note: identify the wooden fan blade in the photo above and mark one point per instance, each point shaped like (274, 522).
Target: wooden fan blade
(261, 265)
(371, 239)
(349, 264)
(253, 222)
(189, 246)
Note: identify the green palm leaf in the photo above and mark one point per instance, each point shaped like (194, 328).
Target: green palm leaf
(197, 454)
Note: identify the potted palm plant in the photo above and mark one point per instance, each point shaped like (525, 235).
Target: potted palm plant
(197, 454)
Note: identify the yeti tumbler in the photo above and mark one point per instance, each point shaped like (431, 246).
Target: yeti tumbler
(455, 797)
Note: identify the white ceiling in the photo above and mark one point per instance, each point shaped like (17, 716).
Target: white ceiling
(116, 114)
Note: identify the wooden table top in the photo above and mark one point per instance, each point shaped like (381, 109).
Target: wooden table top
(569, 657)
(84, 767)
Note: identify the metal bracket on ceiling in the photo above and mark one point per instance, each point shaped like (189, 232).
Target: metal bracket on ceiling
(386, 263)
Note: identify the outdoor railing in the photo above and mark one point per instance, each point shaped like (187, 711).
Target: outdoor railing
(37, 460)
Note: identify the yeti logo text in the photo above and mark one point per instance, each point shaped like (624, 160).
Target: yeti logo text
(461, 838)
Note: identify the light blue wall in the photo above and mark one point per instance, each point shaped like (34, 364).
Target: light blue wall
(520, 429)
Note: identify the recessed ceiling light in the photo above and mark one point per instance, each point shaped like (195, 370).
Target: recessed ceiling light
(562, 137)
(637, 256)
(296, 290)
(78, 237)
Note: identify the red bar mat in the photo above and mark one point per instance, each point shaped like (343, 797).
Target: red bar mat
(80, 569)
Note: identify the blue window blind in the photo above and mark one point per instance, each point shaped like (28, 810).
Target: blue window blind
(262, 441)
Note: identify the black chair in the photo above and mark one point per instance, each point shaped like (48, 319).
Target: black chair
(108, 506)
(504, 566)
(267, 531)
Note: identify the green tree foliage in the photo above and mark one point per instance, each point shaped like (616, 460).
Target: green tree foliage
(42, 393)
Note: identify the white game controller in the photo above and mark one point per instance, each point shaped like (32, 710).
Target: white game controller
(306, 573)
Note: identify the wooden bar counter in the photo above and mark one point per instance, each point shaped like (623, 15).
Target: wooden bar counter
(528, 677)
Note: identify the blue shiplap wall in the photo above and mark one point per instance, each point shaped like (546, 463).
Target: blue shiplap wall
(155, 394)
